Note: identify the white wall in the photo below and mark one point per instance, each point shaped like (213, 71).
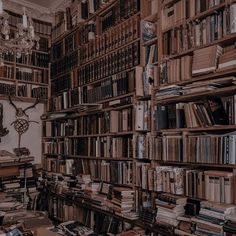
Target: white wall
(32, 138)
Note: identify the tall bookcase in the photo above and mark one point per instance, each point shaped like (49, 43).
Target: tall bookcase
(27, 76)
(143, 98)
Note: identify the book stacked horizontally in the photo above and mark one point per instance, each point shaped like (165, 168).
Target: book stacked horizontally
(205, 60)
(211, 218)
(185, 226)
(169, 92)
(169, 207)
(230, 226)
(123, 200)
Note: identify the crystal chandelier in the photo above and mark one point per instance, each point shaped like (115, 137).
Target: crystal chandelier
(21, 41)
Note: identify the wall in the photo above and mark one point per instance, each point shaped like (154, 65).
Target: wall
(32, 138)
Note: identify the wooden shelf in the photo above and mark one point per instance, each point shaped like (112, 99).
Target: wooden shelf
(102, 135)
(90, 157)
(199, 129)
(194, 164)
(31, 66)
(31, 82)
(214, 75)
(21, 99)
(197, 96)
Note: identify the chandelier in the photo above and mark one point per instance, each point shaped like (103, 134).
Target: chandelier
(20, 39)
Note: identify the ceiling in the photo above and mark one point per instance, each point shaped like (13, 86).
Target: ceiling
(45, 3)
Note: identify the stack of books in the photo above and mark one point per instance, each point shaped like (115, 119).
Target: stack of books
(123, 200)
(169, 207)
(211, 218)
(230, 226)
(169, 92)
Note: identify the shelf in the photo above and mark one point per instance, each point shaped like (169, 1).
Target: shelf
(196, 96)
(31, 66)
(102, 135)
(7, 79)
(194, 164)
(91, 157)
(21, 99)
(199, 78)
(31, 82)
(199, 129)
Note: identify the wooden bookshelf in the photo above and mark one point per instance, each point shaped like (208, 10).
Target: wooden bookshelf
(29, 75)
(153, 151)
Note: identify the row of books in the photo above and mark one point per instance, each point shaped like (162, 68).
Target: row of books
(114, 38)
(29, 90)
(7, 71)
(194, 148)
(65, 64)
(83, 125)
(181, 10)
(215, 186)
(116, 85)
(186, 67)
(211, 149)
(114, 121)
(211, 185)
(192, 34)
(7, 89)
(106, 147)
(212, 111)
(28, 74)
(39, 26)
(35, 59)
(160, 178)
(110, 64)
(116, 172)
(176, 70)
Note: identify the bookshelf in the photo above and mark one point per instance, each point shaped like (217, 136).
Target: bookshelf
(144, 100)
(27, 77)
